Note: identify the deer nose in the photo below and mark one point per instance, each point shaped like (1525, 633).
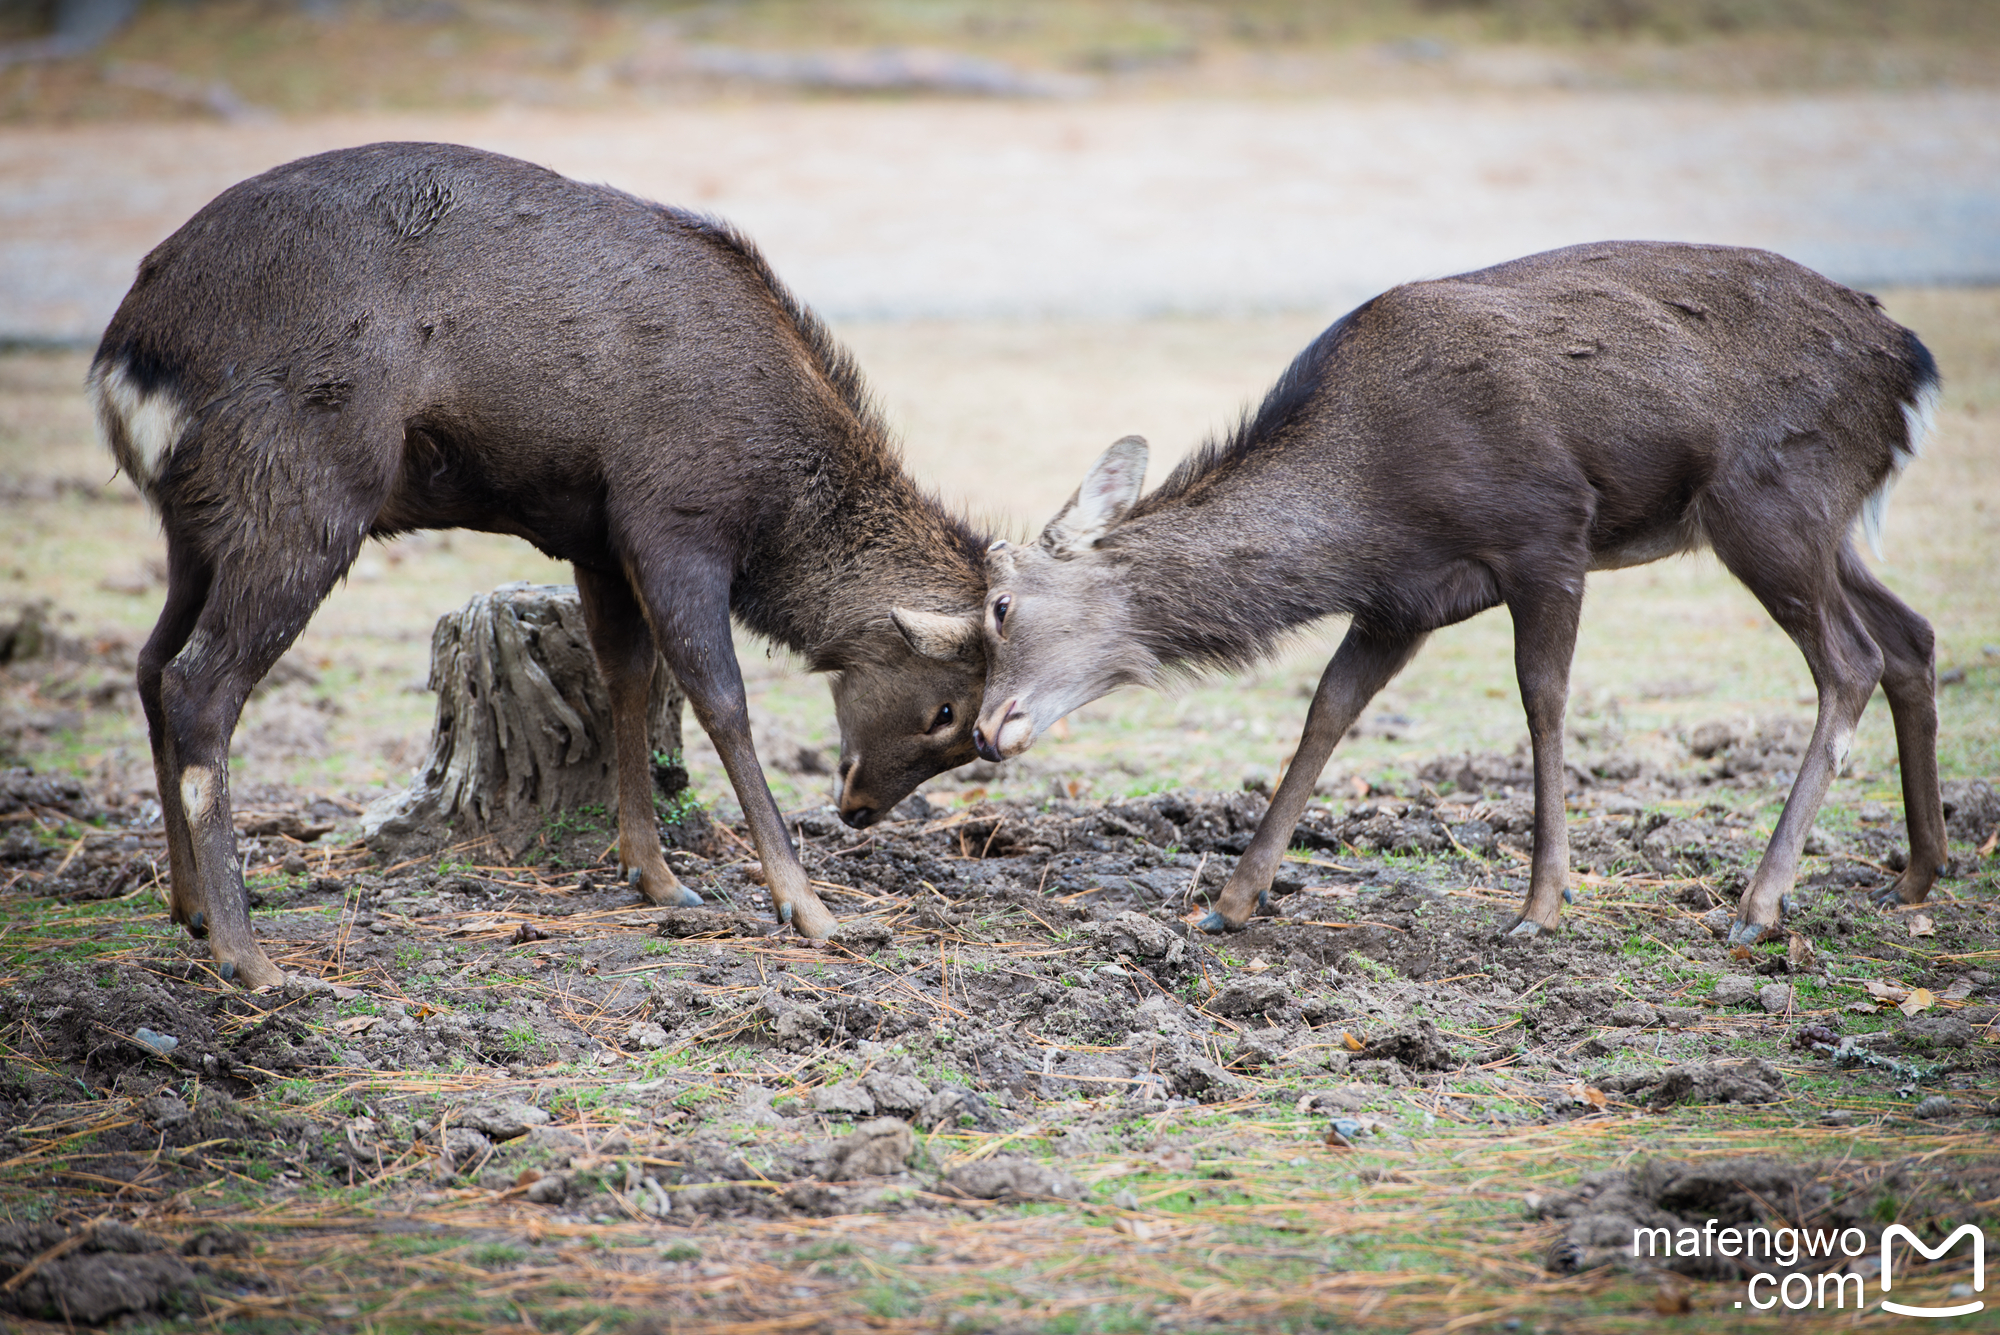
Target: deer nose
(860, 817)
(984, 745)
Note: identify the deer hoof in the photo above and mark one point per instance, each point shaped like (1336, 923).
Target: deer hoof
(1215, 924)
(687, 899)
(1264, 901)
(228, 971)
(1569, 894)
(198, 925)
(1524, 929)
(1748, 933)
(633, 876)
(785, 914)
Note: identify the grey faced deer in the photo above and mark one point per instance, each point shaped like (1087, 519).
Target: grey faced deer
(1454, 445)
(409, 336)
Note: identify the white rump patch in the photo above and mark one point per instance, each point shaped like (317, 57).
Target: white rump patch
(141, 429)
(1918, 420)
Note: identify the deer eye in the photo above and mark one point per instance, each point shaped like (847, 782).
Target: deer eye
(1000, 606)
(943, 719)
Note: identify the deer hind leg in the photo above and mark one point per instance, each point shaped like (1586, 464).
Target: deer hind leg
(256, 606)
(1909, 680)
(1545, 623)
(1804, 595)
(187, 591)
(1362, 666)
(627, 658)
(689, 605)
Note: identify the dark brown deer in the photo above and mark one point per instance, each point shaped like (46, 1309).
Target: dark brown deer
(1454, 445)
(410, 336)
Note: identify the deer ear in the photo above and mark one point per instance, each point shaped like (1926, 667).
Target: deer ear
(938, 634)
(1108, 490)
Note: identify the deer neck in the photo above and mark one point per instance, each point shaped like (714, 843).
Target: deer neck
(1217, 584)
(859, 538)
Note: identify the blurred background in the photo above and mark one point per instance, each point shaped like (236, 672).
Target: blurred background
(1040, 226)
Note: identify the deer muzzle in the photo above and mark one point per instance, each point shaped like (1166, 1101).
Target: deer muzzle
(1003, 732)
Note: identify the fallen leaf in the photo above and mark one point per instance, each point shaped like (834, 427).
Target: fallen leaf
(1800, 955)
(1992, 842)
(1589, 1094)
(1921, 925)
(1743, 953)
(1352, 1043)
(1143, 1230)
(1890, 992)
(356, 1024)
(1920, 999)
(1863, 1007)
(1960, 989)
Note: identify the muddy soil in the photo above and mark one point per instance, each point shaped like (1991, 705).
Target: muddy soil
(531, 1031)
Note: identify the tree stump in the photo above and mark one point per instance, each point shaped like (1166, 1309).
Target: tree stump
(523, 732)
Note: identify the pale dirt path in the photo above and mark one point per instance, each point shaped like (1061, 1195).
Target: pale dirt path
(979, 210)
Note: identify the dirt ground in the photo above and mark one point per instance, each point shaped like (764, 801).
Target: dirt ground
(494, 1090)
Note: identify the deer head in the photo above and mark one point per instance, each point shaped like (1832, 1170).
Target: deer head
(1057, 625)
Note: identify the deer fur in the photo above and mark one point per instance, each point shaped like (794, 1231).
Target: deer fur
(1489, 439)
(412, 336)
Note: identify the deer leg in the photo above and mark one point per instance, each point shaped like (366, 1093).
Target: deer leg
(627, 658)
(187, 590)
(256, 606)
(1909, 680)
(1360, 668)
(1545, 621)
(690, 611)
(1845, 664)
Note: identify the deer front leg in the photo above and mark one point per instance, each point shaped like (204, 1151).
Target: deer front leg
(1360, 668)
(691, 621)
(1545, 623)
(627, 658)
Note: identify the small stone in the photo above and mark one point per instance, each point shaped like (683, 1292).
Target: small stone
(1718, 919)
(159, 1044)
(1836, 1117)
(1735, 989)
(548, 1190)
(1936, 1106)
(893, 1093)
(1634, 1015)
(847, 1097)
(463, 1146)
(646, 1035)
(1936, 1031)
(502, 1119)
(293, 865)
(1008, 1177)
(165, 1111)
(1775, 998)
(875, 1149)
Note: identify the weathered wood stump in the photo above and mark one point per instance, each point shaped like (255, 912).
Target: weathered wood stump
(523, 732)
